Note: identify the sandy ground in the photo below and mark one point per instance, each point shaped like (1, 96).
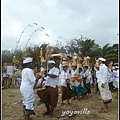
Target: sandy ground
(12, 108)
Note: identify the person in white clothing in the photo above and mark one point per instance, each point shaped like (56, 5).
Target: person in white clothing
(115, 77)
(4, 80)
(26, 88)
(96, 68)
(67, 92)
(49, 96)
(74, 80)
(103, 85)
(86, 79)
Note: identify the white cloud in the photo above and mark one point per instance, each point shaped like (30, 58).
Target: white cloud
(50, 3)
(67, 18)
(16, 28)
(43, 36)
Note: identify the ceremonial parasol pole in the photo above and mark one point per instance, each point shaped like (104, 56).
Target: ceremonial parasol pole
(40, 29)
(49, 51)
(29, 25)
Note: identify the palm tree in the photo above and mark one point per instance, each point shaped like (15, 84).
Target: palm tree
(83, 47)
(34, 52)
(110, 53)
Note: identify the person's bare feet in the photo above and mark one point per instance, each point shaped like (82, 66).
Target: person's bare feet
(100, 98)
(102, 110)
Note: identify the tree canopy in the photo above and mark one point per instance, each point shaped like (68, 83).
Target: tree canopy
(83, 47)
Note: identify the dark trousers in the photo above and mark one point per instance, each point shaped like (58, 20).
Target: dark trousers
(87, 86)
(96, 86)
(111, 86)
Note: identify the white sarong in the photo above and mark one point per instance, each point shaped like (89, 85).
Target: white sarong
(104, 92)
(27, 97)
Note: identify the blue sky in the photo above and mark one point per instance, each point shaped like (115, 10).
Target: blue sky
(62, 20)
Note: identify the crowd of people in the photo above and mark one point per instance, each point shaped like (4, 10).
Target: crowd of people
(72, 77)
(9, 80)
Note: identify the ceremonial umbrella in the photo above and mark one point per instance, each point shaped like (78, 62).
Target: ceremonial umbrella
(58, 56)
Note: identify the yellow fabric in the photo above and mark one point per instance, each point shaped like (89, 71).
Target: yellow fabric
(38, 73)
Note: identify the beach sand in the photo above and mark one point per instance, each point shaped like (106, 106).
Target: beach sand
(12, 108)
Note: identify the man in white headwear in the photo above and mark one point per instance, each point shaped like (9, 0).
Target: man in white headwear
(49, 96)
(26, 88)
(67, 92)
(103, 85)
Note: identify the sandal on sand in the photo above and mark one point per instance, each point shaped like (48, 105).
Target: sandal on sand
(103, 111)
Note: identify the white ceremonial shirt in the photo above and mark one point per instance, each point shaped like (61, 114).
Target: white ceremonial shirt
(74, 74)
(97, 75)
(52, 82)
(110, 75)
(87, 74)
(64, 75)
(28, 79)
(26, 88)
(4, 75)
(103, 74)
(115, 78)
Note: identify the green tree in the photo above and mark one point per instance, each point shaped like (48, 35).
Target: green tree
(83, 47)
(7, 56)
(110, 53)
